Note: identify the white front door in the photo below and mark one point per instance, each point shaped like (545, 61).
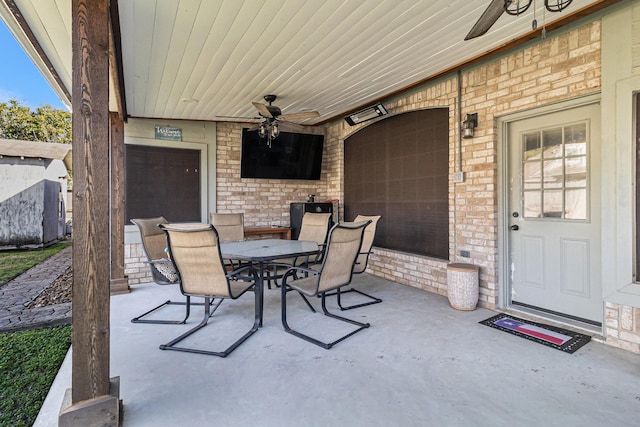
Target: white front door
(554, 212)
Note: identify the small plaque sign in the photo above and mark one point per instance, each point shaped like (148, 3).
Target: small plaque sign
(168, 133)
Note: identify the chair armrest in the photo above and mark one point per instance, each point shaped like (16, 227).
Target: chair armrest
(293, 271)
(237, 273)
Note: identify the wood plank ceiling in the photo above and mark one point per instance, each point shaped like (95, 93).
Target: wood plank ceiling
(208, 60)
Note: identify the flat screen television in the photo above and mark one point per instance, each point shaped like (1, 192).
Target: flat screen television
(291, 156)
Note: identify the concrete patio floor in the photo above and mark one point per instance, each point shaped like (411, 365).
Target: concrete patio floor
(421, 363)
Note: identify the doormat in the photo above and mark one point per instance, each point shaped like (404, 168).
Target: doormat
(552, 336)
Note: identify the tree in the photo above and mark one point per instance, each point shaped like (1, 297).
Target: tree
(45, 124)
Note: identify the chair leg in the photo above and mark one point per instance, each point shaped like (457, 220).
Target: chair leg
(338, 292)
(310, 339)
(187, 303)
(208, 312)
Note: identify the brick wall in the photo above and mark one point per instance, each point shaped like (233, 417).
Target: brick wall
(563, 66)
(622, 326)
(135, 269)
(265, 202)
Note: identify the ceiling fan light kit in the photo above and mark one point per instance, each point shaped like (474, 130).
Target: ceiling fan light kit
(515, 7)
(368, 113)
(269, 129)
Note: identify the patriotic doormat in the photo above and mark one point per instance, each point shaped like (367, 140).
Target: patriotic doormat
(558, 338)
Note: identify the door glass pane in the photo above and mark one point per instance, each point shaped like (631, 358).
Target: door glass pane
(552, 204)
(576, 170)
(553, 176)
(531, 146)
(552, 143)
(575, 139)
(532, 175)
(532, 205)
(575, 205)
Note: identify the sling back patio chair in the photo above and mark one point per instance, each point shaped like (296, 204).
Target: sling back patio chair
(314, 228)
(361, 262)
(336, 271)
(195, 252)
(230, 228)
(163, 272)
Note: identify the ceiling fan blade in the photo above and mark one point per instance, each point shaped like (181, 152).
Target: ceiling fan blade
(254, 127)
(488, 18)
(294, 117)
(239, 118)
(292, 127)
(263, 110)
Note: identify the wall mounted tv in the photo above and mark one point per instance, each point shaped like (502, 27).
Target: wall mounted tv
(291, 156)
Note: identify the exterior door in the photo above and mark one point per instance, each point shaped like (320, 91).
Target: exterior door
(554, 212)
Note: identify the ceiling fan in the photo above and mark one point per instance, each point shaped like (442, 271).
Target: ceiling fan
(274, 119)
(512, 7)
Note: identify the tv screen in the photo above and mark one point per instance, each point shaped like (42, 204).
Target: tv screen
(291, 156)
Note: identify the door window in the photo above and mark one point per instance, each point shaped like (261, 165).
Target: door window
(554, 172)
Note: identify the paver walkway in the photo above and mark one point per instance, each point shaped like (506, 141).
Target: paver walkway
(16, 295)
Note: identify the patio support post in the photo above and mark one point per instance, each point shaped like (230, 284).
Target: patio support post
(93, 398)
(119, 282)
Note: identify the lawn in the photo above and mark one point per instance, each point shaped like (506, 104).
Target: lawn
(29, 360)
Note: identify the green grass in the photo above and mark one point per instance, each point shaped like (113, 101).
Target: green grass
(13, 263)
(29, 362)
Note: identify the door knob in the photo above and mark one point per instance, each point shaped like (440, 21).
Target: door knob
(515, 227)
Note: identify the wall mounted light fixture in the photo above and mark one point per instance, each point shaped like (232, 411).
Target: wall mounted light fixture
(366, 114)
(469, 123)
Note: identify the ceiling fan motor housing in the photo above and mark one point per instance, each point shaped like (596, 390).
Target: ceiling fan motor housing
(275, 111)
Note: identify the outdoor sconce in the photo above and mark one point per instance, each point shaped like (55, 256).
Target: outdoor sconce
(469, 124)
(367, 114)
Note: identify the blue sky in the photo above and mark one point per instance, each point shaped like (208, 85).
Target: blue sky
(20, 79)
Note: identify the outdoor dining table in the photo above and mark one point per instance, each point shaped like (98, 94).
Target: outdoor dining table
(263, 251)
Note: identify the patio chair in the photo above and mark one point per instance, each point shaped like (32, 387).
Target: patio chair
(336, 271)
(314, 228)
(195, 252)
(163, 272)
(230, 228)
(361, 262)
